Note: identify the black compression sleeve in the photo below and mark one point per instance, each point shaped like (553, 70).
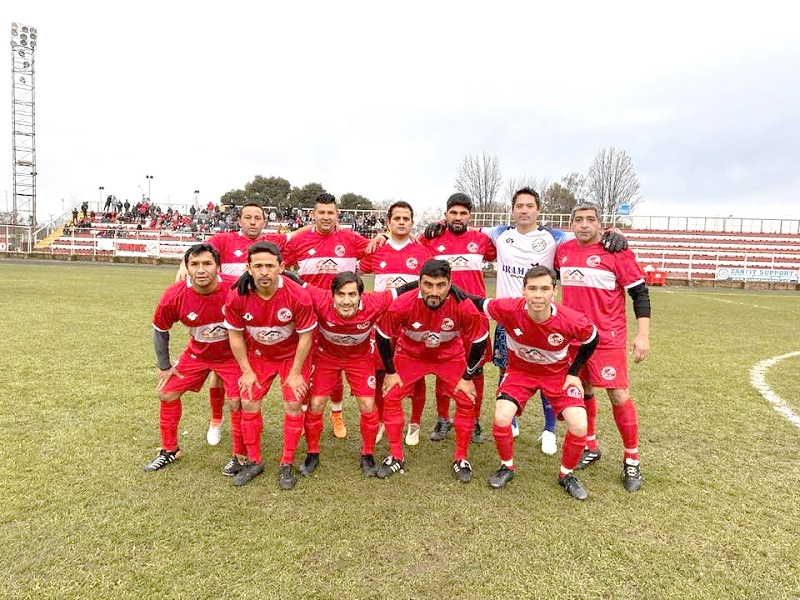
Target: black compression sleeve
(385, 350)
(584, 353)
(161, 345)
(476, 353)
(641, 300)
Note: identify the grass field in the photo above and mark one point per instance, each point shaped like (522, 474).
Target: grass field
(718, 516)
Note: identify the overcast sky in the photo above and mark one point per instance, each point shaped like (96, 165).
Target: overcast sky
(385, 99)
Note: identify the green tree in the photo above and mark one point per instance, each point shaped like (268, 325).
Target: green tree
(268, 191)
(355, 202)
(557, 200)
(304, 197)
(233, 198)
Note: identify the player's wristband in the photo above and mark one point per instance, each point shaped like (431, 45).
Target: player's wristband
(466, 376)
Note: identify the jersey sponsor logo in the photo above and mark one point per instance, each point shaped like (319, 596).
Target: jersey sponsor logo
(574, 392)
(514, 271)
(339, 250)
(532, 355)
(344, 339)
(395, 282)
(572, 276)
(458, 262)
(327, 266)
(447, 324)
(555, 339)
(215, 332)
(539, 245)
(371, 382)
(192, 316)
(608, 373)
(269, 337)
(364, 325)
(432, 340)
(412, 263)
(472, 247)
(247, 316)
(593, 261)
(284, 315)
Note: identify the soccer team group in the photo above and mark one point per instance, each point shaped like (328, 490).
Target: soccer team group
(250, 321)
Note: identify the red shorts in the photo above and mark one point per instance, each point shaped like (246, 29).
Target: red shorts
(607, 368)
(359, 370)
(521, 387)
(195, 371)
(267, 370)
(412, 370)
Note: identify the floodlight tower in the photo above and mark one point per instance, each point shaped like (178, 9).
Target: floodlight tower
(24, 40)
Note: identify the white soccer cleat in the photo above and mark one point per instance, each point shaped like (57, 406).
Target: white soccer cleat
(549, 445)
(412, 437)
(214, 434)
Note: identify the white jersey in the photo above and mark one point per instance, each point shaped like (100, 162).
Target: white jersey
(517, 252)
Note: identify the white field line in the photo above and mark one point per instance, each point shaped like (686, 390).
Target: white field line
(739, 303)
(759, 381)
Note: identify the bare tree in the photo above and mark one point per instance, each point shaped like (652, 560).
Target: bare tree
(480, 177)
(557, 200)
(576, 183)
(612, 181)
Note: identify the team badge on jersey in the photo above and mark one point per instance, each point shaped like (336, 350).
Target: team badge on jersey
(371, 382)
(447, 324)
(247, 316)
(472, 247)
(412, 263)
(339, 250)
(363, 326)
(574, 392)
(284, 315)
(608, 373)
(192, 316)
(593, 261)
(555, 339)
(539, 245)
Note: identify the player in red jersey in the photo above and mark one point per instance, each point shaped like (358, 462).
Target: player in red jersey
(320, 254)
(271, 321)
(232, 247)
(431, 330)
(594, 281)
(197, 303)
(394, 263)
(466, 250)
(539, 334)
(345, 345)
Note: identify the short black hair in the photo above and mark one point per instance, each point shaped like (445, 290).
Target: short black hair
(267, 247)
(530, 192)
(199, 249)
(400, 204)
(435, 268)
(325, 198)
(257, 205)
(344, 278)
(459, 199)
(539, 271)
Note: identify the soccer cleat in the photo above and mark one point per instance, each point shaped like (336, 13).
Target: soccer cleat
(514, 427)
(588, 457)
(287, 478)
(163, 458)
(247, 472)
(462, 470)
(440, 430)
(381, 432)
(573, 487)
(214, 434)
(232, 467)
(631, 476)
(412, 437)
(368, 465)
(390, 466)
(477, 433)
(309, 464)
(339, 429)
(501, 477)
(549, 445)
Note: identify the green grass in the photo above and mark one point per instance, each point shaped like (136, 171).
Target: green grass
(718, 516)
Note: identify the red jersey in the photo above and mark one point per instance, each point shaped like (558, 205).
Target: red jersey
(594, 281)
(272, 325)
(539, 349)
(321, 257)
(351, 337)
(395, 263)
(202, 314)
(233, 246)
(466, 254)
(433, 336)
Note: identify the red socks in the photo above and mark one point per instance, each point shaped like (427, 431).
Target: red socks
(369, 430)
(504, 442)
(170, 415)
(418, 401)
(628, 425)
(239, 448)
(216, 398)
(571, 451)
(252, 425)
(591, 418)
(292, 430)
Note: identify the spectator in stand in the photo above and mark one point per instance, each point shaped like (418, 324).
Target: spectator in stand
(74, 216)
(127, 206)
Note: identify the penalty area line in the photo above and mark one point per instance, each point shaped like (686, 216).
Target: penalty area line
(758, 379)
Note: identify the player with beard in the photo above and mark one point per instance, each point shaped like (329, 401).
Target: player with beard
(431, 330)
(197, 303)
(320, 254)
(271, 321)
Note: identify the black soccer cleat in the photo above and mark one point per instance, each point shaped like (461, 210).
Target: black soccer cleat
(287, 478)
(368, 467)
(232, 467)
(631, 477)
(163, 458)
(588, 457)
(440, 430)
(309, 464)
(573, 487)
(462, 470)
(248, 471)
(501, 477)
(477, 433)
(389, 467)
